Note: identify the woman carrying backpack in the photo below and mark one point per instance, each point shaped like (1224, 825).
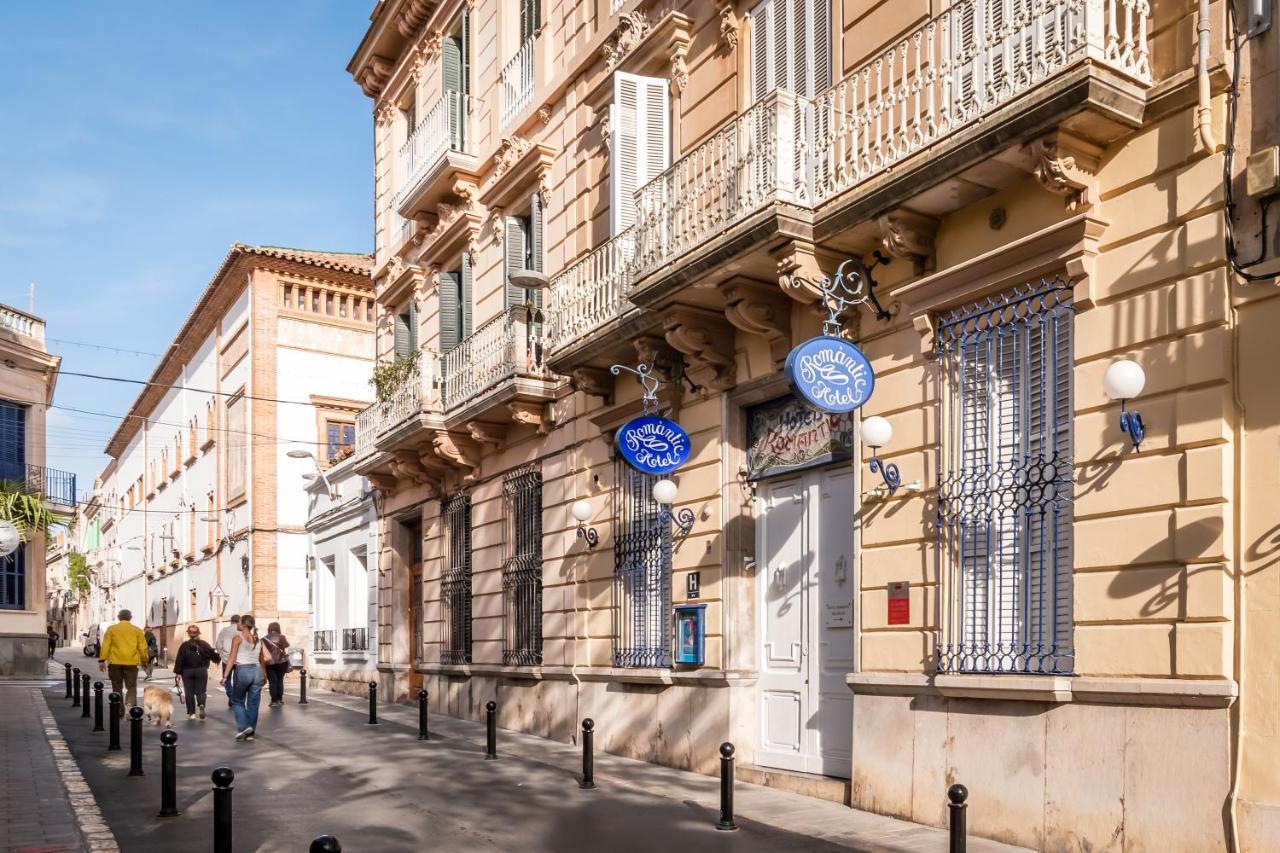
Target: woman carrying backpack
(277, 662)
(192, 665)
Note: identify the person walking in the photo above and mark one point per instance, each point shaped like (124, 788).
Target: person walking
(191, 664)
(222, 643)
(244, 668)
(123, 649)
(53, 640)
(153, 652)
(277, 662)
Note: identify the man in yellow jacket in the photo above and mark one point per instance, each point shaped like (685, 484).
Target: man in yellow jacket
(123, 650)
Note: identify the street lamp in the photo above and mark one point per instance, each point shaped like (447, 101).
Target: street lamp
(318, 474)
(529, 279)
(876, 432)
(582, 510)
(665, 493)
(1123, 381)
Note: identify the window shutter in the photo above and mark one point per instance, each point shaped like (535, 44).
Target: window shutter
(464, 298)
(530, 19)
(641, 149)
(820, 17)
(451, 64)
(535, 241)
(780, 36)
(761, 49)
(413, 326)
(449, 283)
(401, 335)
(464, 53)
(513, 252)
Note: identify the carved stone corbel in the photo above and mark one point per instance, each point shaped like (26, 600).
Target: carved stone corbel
(728, 24)
(908, 235)
(382, 482)
(485, 434)
(383, 112)
(592, 380)
(706, 341)
(664, 361)
(606, 129)
(413, 15)
(374, 75)
(531, 414)
(1067, 166)
(544, 186)
(430, 45)
(467, 191)
(497, 225)
(679, 68)
(631, 30)
(800, 266)
(407, 466)
(544, 114)
(759, 310)
(457, 451)
(509, 152)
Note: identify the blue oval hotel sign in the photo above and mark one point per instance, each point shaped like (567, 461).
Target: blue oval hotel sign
(653, 445)
(830, 374)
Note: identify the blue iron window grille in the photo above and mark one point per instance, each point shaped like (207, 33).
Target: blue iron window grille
(13, 442)
(522, 568)
(1005, 482)
(642, 572)
(455, 584)
(13, 580)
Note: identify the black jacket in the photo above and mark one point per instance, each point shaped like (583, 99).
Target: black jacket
(194, 655)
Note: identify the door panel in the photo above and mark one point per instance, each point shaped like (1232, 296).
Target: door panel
(783, 673)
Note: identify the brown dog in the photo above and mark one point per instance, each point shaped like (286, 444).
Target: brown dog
(157, 704)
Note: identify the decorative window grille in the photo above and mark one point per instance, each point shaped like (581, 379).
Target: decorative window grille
(1005, 482)
(455, 586)
(522, 568)
(642, 572)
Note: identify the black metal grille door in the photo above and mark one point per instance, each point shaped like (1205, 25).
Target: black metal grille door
(642, 572)
(455, 585)
(1005, 482)
(522, 568)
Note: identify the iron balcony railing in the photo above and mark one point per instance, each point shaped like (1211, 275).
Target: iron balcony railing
(517, 82)
(445, 127)
(322, 641)
(415, 394)
(943, 77)
(591, 291)
(355, 639)
(508, 346)
(54, 486)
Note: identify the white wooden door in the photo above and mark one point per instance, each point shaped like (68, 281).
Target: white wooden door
(805, 555)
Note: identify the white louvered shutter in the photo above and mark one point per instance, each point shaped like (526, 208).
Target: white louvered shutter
(640, 148)
(791, 47)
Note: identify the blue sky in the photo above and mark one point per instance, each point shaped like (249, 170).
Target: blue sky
(137, 142)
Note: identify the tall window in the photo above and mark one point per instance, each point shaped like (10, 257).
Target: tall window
(642, 572)
(339, 437)
(1005, 487)
(640, 147)
(522, 250)
(237, 447)
(530, 18)
(406, 330)
(455, 304)
(13, 442)
(791, 47)
(522, 568)
(13, 580)
(455, 586)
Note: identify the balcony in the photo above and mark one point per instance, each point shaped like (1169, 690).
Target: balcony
(503, 359)
(591, 293)
(909, 119)
(58, 488)
(441, 143)
(21, 323)
(410, 400)
(517, 82)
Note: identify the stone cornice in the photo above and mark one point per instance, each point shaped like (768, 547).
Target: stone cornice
(654, 44)
(517, 167)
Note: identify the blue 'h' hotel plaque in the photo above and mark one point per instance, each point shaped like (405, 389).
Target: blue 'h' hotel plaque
(830, 374)
(653, 445)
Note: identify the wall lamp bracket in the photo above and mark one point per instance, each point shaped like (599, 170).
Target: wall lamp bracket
(1131, 424)
(588, 533)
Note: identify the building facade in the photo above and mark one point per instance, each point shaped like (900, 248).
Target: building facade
(343, 525)
(1006, 198)
(27, 381)
(203, 509)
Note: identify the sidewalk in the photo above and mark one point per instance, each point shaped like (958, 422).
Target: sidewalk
(319, 768)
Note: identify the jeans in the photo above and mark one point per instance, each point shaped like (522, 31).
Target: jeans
(248, 693)
(275, 680)
(194, 684)
(124, 678)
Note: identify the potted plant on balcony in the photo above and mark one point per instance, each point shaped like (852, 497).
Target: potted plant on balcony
(23, 505)
(388, 376)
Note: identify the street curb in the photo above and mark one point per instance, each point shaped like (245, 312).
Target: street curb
(97, 836)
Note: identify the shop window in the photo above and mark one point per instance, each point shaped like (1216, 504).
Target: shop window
(455, 586)
(642, 572)
(522, 568)
(1006, 485)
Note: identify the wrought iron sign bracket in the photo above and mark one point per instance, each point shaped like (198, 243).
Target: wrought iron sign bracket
(683, 520)
(589, 534)
(853, 285)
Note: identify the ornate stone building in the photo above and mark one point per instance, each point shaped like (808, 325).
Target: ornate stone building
(1016, 195)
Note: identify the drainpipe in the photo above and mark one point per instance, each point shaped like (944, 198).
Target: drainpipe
(1204, 112)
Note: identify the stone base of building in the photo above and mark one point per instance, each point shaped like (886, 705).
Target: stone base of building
(24, 655)
(1051, 772)
(352, 682)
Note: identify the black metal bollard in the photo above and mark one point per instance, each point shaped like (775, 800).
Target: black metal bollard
(135, 741)
(423, 734)
(956, 808)
(726, 788)
(97, 706)
(113, 705)
(67, 667)
(168, 773)
(491, 731)
(325, 844)
(222, 779)
(302, 686)
(84, 691)
(588, 780)
(373, 703)
(75, 687)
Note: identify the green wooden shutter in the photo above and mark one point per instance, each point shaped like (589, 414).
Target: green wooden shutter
(449, 282)
(535, 241)
(513, 260)
(464, 297)
(464, 53)
(451, 64)
(413, 326)
(402, 335)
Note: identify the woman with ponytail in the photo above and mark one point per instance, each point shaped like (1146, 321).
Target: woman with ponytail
(245, 666)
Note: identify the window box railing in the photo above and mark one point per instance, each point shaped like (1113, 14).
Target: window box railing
(938, 80)
(355, 639)
(322, 641)
(591, 291)
(56, 487)
(507, 346)
(445, 127)
(517, 82)
(412, 396)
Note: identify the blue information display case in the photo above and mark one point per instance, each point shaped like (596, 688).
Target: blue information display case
(690, 634)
